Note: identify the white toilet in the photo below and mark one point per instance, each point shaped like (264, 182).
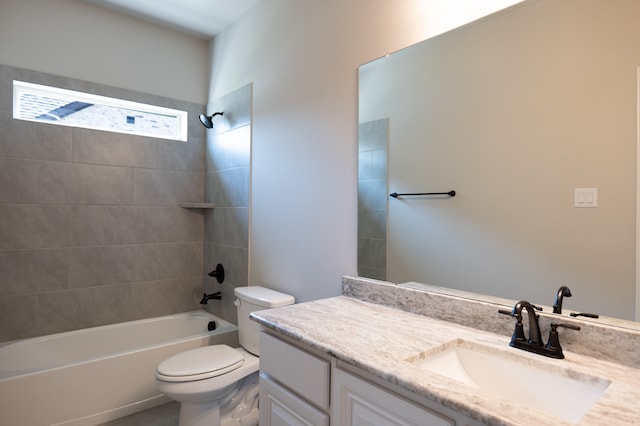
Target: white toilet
(218, 385)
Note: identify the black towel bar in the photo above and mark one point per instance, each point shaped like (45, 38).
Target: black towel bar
(450, 194)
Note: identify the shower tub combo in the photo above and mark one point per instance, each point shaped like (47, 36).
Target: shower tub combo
(94, 375)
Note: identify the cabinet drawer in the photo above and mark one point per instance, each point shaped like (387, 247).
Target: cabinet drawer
(280, 407)
(301, 372)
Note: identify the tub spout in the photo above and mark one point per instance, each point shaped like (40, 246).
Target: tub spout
(206, 297)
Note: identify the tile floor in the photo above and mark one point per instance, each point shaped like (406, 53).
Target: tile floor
(162, 415)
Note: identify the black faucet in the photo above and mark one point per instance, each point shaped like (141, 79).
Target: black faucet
(562, 293)
(557, 305)
(534, 342)
(534, 328)
(206, 297)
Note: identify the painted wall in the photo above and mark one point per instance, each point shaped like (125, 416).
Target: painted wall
(303, 58)
(78, 40)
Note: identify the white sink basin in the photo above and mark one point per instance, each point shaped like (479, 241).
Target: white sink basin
(542, 386)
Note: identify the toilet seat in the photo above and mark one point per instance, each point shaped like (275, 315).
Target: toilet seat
(199, 364)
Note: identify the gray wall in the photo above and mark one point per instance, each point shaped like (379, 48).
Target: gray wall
(90, 228)
(227, 187)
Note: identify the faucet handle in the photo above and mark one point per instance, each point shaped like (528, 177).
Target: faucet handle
(553, 344)
(584, 314)
(569, 326)
(518, 332)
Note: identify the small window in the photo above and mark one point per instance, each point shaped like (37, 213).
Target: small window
(35, 102)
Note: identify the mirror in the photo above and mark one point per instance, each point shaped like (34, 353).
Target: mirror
(518, 112)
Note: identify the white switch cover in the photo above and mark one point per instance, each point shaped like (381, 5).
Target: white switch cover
(586, 197)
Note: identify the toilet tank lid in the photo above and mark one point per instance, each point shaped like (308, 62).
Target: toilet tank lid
(263, 296)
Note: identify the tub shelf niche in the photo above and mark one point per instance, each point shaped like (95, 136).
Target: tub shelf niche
(196, 205)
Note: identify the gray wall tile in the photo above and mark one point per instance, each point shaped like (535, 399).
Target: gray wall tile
(176, 155)
(37, 141)
(95, 266)
(136, 225)
(372, 197)
(84, 184)
(165, 187)
(106, 305)
(19, 316)
(236, 107)
(33, 226)
(373, 135)
(229, 226)
(228, 187)
(58, 311)
(372, 194)
(229, 149)
(115, 149)
(168, 296)
(18, 181)
(177, 225)
(33, 271)
(90, 226)
(86, 226)
(180, 260)
(234, 259)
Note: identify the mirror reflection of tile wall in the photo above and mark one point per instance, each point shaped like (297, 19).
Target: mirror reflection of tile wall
(372, 198)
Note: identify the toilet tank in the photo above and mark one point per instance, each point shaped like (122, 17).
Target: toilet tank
(255, 298)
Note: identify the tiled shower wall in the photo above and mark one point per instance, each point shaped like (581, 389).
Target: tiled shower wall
(372, 199)
(227, 187)
(91, 232)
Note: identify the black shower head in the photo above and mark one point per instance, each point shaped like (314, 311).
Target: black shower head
(207, 120)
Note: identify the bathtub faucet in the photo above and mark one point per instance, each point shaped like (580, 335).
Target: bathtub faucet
(206, 297)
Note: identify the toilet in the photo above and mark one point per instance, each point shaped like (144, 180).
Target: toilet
(218, 385)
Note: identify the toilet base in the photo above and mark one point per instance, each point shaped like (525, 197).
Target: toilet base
(199, 414)
(238, 407)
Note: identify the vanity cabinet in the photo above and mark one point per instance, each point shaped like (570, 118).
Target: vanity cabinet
(294, 385)
(299, 388)
(359, 403)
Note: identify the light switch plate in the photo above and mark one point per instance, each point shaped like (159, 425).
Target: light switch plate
(586, 197)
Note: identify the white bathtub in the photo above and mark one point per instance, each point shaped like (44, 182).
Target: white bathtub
(90, 376)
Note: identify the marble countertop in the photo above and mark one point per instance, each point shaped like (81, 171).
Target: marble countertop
(380, 340)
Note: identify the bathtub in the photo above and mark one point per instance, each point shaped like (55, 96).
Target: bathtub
(94, 375)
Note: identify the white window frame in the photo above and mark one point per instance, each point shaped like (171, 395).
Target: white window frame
(21, 87)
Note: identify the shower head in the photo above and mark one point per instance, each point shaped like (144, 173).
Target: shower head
(207, 120)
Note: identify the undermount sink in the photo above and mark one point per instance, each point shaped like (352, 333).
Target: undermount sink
(539, 385)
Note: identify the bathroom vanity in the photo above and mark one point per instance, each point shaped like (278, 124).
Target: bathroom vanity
(293, 382)
(344, 361)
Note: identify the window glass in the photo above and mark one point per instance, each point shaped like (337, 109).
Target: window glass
(35, 102)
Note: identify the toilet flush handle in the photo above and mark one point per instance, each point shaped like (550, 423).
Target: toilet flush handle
(236, 302)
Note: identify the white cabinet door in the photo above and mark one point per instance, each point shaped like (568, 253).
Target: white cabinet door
(359, 403)
(279, 407)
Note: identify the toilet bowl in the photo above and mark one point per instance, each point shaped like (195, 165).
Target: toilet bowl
(218, 385)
